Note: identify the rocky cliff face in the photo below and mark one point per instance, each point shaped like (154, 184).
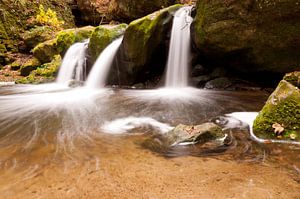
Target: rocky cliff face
(249, 35)
(97, 11)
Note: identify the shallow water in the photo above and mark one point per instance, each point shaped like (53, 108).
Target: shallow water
(48, 131)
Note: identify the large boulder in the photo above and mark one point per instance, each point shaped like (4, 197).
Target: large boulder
(250, 35)
(280, 117)
(45, 51)
(144, 41)
(102, 36)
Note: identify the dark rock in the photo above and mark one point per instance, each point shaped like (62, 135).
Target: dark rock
(249, 36)
(200, 81)
(218, 83)
(198, 70)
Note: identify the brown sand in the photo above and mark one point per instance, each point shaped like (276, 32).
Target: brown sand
(131, 172)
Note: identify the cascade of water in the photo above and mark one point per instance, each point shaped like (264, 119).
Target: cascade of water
(74, 64)
(100, 70)
(177, 66)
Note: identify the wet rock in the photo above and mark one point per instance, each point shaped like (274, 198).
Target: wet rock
(45, 51)
(198, 70)
(200, 81)
(218, 83)
(75, 83)
(249, 36)
(29, 66)
(193, 134)
(144, 42)
(101, 37)
(281, 109)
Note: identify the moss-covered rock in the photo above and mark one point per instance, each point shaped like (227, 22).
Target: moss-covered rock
(16, 65)
(143, 38)
(29, 66)
(250, 35)
(37, 35)
(281, 109)
(101, 37)
(45, 51)
(45, 73)
(18, 16)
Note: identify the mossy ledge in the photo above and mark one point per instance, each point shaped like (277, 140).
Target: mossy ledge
(282, 107)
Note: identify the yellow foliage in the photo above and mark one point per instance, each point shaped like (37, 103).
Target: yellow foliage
(48, 18)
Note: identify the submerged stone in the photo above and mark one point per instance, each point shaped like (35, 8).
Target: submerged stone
(193, 134)
(282, 109)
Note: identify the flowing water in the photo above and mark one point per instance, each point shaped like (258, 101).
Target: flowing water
(179, 50)
(91, 141)
(100, 70)
(48, 134)
(73, 65)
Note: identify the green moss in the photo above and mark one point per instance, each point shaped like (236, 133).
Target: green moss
(282, 107)
(37, 35)
(16, 65)
(29, 66)
(2, 49)
(45, 51)
(202, 11)
(45, 73)
(49, 69)
(102, 36)
(143, 36)
(64, 40)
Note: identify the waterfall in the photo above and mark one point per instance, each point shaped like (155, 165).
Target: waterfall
(100, 70)
(177, 66)
(74, 64)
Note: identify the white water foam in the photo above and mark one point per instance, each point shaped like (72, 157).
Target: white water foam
(98, 75)
(123, 125)
(179, 51)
